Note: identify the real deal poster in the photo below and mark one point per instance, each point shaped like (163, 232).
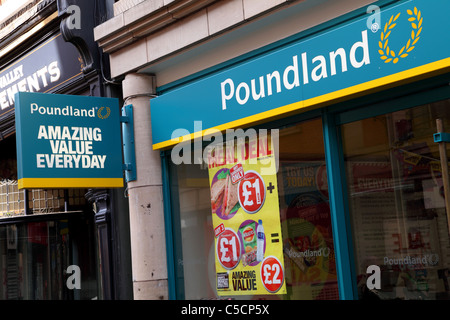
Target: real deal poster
(246, 219)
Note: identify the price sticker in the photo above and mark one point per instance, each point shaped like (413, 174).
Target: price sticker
(252, 192)
(228, 248)
(272, 274)
(237, 173)
(219, 229)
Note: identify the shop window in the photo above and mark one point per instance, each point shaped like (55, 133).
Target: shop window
(40, 251)
(303, 211)
(397, 207)
(35, 260)
(12, 200)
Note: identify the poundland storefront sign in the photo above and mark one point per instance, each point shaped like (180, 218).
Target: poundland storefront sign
(341, 62)
(68, 141)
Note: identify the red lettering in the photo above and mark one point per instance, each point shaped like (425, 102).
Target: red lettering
(398, 242)
(253, 149)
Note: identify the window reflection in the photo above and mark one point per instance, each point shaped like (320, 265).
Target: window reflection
(304, 214)
(35, 257)
(397, 202)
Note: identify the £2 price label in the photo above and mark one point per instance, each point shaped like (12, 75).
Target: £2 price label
(252, 192)
(272, 274)
(228, 248)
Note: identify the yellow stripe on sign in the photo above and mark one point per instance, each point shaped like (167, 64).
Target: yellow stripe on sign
(59, 183)
(404, 77)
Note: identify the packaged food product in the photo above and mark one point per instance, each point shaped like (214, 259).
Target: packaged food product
(249, 240)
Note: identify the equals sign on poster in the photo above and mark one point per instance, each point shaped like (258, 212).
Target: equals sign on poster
(275, 237)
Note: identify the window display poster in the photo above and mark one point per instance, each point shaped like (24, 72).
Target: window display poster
(308, 240)
(246, 219)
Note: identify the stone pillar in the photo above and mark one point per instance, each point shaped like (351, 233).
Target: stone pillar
(147, 233)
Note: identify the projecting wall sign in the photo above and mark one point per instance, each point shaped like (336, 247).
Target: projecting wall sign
(66, 141)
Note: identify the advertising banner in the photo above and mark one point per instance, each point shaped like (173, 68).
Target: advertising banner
(246, 219)
(66, 141)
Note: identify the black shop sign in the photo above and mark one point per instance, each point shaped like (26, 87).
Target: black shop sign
(45, 68)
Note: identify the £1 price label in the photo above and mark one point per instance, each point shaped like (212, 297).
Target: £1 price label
(228, 248)
(272, 274)
(252, 192)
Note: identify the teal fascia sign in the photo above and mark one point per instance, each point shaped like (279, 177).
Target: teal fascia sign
(66, 141)
(345, 61)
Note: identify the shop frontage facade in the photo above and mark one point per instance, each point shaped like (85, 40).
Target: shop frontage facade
(55, 243)
(343, 124)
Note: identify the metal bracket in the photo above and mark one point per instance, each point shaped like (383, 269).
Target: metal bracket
(129, 155)
(441, 137)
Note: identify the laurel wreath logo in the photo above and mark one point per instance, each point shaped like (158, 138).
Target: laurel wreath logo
(389, 55)
(100, 115)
